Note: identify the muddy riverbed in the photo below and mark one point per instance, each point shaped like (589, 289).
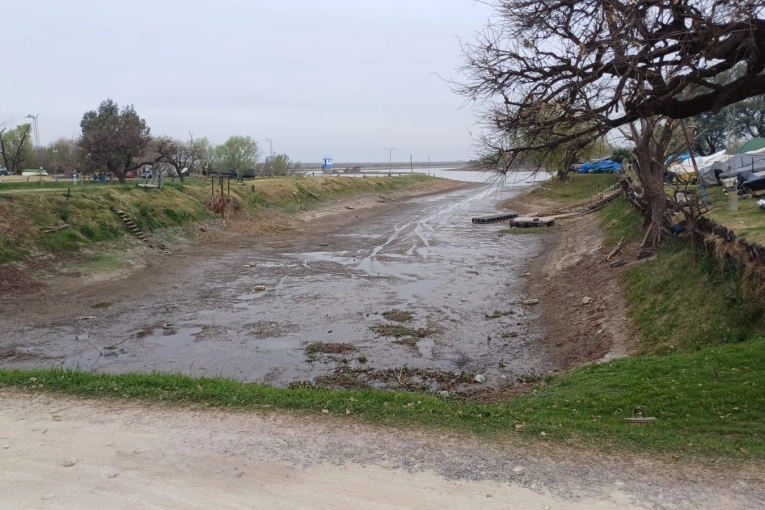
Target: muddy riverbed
(458, 289)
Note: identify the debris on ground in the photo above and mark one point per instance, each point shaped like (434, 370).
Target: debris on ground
(398, 315)
(328, 348)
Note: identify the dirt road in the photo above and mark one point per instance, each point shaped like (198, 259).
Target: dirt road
(66, 453)
(201, 310)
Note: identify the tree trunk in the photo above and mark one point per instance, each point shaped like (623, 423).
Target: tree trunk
(657, 206)
(651, 174)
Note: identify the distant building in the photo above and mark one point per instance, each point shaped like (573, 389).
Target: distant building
(328, 165)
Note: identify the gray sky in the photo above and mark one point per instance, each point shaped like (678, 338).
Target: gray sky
(344, 78)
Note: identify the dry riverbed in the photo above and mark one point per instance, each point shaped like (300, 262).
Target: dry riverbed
(392, 292)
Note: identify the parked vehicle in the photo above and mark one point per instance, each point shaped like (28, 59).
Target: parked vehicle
(3, 171)
(129, 175)
(147, 174)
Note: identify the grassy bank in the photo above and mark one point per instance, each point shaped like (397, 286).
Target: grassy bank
(89, 211)
(708, 402)
(680, 305)
(747, 222)
(578, 187)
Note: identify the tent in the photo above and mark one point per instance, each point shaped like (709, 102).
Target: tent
(754, 144)
(685, 171)
(745, 162)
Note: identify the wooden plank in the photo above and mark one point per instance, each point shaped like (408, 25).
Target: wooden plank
(529, 222)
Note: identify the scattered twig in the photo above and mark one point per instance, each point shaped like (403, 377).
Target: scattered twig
(745, 278)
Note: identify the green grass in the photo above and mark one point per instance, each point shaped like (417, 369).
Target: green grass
(707, 402)
(621, 221)
(579, 187)
(89, 209)
(679, 305)
(11, 251)
(747, 222)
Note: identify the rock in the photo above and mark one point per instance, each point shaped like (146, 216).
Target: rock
(518, 469)
(323, 244)
(586, 300)
(530, 302)
(69, 463)
(444, 393)
(618, 263)
(480, 378)
(48, 497)
(260, 288)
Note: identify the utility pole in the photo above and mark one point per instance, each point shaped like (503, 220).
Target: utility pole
(270, 147)
(36, 134)
(390, 158)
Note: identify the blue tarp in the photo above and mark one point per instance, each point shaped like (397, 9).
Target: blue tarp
(600, 167)
(680, 158)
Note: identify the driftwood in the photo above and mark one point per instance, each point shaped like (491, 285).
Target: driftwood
(54, 229)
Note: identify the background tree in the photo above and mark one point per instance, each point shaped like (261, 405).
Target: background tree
(710, 131)
(16, 147)
(239, 154)
(750, 117)
(62, 155)
(209, 157)
(278, 164)
(181, 155)
(115, 139)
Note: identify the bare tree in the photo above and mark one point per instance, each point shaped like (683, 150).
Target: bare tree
(594, 65)
(15, 147)
(183, 156)
(62, 155)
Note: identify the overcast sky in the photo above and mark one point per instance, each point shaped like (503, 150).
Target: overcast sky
(344, 78)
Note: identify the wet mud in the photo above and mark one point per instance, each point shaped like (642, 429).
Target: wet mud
(421, 298)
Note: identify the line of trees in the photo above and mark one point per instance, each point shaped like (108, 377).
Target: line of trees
(117, 140)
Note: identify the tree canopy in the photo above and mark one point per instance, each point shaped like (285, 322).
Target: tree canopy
(239, 154)
(114, 138)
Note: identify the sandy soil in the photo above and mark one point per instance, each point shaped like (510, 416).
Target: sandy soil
(583, 306)
(68, 453)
